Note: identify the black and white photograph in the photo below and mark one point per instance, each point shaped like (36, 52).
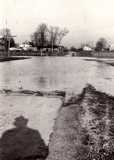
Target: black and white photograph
(56, 79)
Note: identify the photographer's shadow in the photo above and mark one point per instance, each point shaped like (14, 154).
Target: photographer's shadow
(22, 143)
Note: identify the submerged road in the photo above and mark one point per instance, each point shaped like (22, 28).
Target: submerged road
(69, 74)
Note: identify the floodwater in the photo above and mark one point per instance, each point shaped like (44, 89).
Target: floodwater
(56, 73)
(70, 74)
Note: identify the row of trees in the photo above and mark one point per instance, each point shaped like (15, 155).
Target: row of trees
(45, 36)
(101, 45)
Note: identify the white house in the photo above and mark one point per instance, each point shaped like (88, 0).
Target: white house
(14, 49)
(87, 48)
(112, 47)
(25, 46)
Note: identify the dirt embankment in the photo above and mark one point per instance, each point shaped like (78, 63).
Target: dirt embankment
(4, 59)
(84, 128)
(108, 62)
(56, 93)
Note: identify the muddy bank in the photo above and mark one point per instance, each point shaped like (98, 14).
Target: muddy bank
(21, 92)
(84, 128)
(109, 62)
(3, 59)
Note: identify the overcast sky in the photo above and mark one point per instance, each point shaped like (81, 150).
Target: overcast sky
(86, 20)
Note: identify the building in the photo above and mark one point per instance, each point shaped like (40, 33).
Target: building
(112, 47)
(26, 46)
(87, 48)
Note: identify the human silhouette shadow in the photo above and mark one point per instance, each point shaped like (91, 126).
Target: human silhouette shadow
(22, 143)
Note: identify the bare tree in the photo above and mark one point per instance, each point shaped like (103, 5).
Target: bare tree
(56, 35)
(39, 37)
(101, 44)
(48, 37)
(62, 34)
(5, 32)
(7, 38)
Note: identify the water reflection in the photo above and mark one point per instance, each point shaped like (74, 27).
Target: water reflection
(56, 73)
(42, 81)
(103, 70)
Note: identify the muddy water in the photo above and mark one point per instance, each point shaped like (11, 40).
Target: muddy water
(47, 74)
(56, 73)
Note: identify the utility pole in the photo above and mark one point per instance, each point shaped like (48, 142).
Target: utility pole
(52, 46)
(8, 38)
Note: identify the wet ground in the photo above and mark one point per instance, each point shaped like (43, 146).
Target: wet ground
(43, 75)
(32, 88)
(40, 111)
(84, 129)
(69, 74)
